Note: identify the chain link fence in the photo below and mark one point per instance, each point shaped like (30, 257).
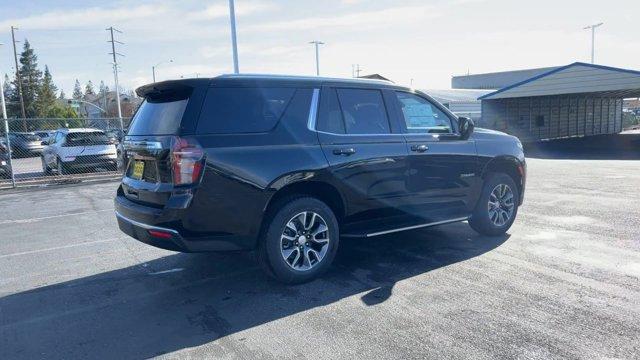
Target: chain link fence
(44, 151)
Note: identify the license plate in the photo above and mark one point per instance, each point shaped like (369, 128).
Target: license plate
(138, 170)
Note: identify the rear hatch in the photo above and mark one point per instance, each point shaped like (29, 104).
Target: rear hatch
(157, 137)
(87, 144)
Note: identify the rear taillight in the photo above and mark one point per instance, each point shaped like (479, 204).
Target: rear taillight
(187, 161)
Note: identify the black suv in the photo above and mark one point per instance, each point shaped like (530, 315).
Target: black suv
(289, 165)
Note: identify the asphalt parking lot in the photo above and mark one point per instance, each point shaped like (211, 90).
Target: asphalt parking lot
(564, 283)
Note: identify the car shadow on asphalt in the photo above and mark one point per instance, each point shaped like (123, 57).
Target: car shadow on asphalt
(185, 300)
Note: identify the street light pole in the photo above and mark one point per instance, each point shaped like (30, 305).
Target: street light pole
(153, 68)
(316, 43)
(6, 129)
(18, 78)
(2, 103)
(71, 101)
(234, 41)
(593, 38)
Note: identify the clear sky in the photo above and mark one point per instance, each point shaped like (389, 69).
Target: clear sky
(427, 41)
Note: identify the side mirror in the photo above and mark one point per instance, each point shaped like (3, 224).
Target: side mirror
(466, 126)
(46, 142)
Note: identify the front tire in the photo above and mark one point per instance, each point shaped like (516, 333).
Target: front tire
(497, 207)
(299, 241)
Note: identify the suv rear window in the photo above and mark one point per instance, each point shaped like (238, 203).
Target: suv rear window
(87, 138)
(158, 117)
(243, 110)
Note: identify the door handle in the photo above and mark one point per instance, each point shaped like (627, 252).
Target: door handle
(345, 151)
(419, 148)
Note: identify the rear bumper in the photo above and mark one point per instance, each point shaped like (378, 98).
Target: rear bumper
(89, 161)
(145, 224)
(143, 232)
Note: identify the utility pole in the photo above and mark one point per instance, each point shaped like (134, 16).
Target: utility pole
(18, 78)
(234, 41)
(355, 70)
(115, 70)
(593, 38)
(316, 43)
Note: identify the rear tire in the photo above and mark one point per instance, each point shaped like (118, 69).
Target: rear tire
(497, 207)
(293, 252)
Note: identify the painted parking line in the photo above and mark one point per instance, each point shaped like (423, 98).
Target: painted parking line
(57, 248)
(30, 220)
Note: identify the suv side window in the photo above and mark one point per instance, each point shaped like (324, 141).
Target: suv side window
(330, 115)
(363, 111)
(243, 110)
(52, 139)
(421, 116)
(59, 137)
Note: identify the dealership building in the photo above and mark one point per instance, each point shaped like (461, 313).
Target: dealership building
(578, 99)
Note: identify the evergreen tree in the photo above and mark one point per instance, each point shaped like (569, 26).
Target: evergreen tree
(46, 94)
(103, 89)
(102, 94)
(62, 96)
(88, 89)
(77, 91)
(31, 80)
(61, 111)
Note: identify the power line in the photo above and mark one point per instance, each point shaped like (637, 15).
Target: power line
(355, 70)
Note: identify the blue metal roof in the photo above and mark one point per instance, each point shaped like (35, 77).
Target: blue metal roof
(603, 67)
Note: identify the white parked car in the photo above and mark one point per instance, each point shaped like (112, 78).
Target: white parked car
(73, 150)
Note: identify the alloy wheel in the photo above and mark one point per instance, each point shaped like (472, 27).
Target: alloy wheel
(501, 205)
(304, 241)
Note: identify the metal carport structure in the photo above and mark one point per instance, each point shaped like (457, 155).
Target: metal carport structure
(578, 99)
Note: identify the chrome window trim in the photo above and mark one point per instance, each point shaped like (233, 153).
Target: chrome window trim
(313, 116)
(356, 135)
(313, 110)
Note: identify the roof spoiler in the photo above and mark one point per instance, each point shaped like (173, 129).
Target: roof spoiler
(170, 88)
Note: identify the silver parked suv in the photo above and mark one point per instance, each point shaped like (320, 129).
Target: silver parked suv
(73, 150)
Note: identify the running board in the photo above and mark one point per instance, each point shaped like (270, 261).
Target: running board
(408, 228)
